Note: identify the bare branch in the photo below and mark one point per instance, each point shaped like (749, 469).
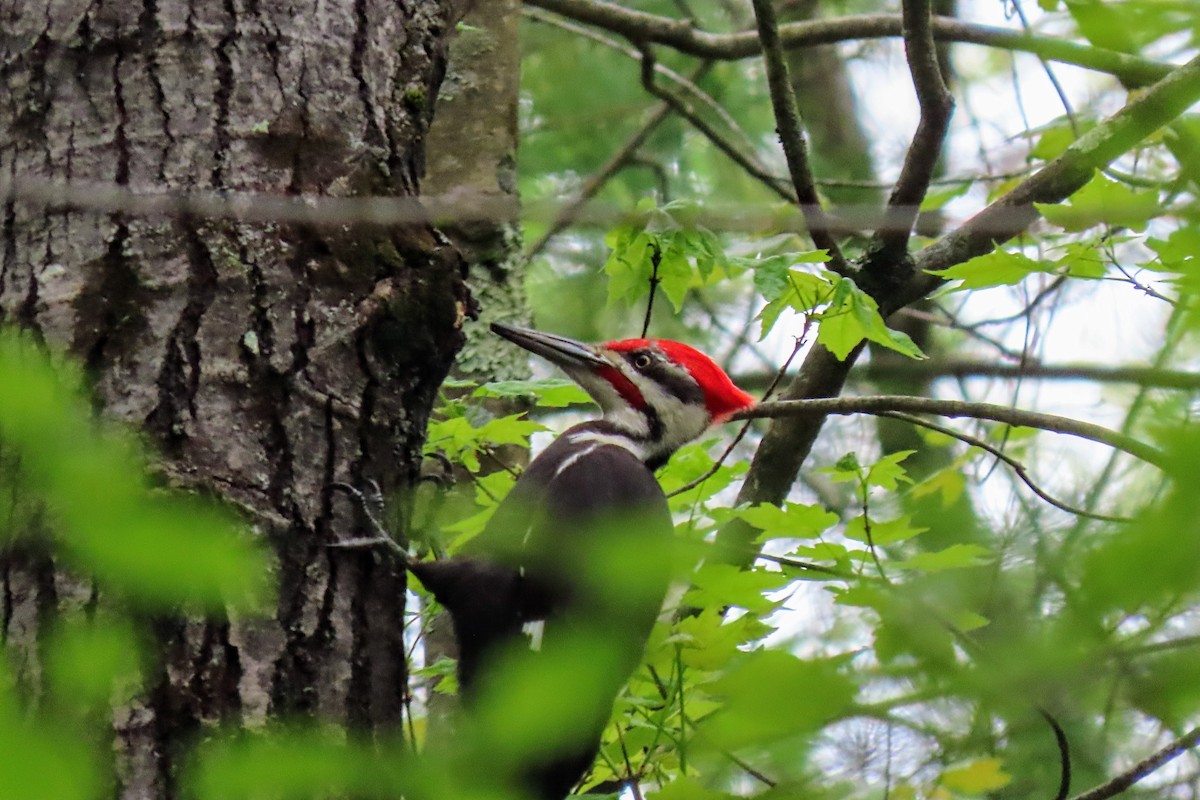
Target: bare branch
(747, 162)
(875, 404)
(1017, 467)
(920, 161)
(791, 136)
(1143, 768)
(682, 35)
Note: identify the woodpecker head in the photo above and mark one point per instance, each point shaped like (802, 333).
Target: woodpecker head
(659, 393)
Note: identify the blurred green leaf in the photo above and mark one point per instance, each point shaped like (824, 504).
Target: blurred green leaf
(155, 547)
(792, 520)
(302, 762)
(94, 662)
(883, 533)
(1103, 201)
(956, 556)
(976, 777)
(718, 585)
(773, 694)
(46, 762)
(550, 392)
(997, 268)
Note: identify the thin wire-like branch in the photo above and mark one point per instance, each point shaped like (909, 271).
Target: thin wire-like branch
(1050, 76)
(1017, 467)
(684, 36)
(920, 161)
(683, 81)
(875, 404)
(747, 162)
(1064, 754)
(791, 135)
(655, 260)
(1145, 767)
(571, 211)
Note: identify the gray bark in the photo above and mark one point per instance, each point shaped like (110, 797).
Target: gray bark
(263, 361)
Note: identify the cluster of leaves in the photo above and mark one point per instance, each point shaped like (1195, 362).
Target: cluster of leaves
(666, 249)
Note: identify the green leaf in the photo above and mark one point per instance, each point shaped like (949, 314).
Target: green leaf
(793, 520)
(92, 477)
(93, 663)
(846, 469)
(802, 292)
(302, 762)
(720, 585)
(939, 197)
(773, 695)
(976, 777)
(997, 268)
(956, 556)
(707, 641)
(674, 270)
(628, 266)
(852, 316)
(887, 472)
(1054, 140)
(883, 533)
(1103, 201)
(949, 483)
(45, 762)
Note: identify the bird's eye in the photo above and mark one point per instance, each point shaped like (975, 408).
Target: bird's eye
(643, 361)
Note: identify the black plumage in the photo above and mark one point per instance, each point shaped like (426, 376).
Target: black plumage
(538, 561)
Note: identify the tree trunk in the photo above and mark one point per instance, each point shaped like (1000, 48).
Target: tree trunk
(264, 360)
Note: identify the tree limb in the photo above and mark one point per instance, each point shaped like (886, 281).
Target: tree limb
(876, 404)
(960, 368)
(789, 441)
(682, 35)
(937, 106)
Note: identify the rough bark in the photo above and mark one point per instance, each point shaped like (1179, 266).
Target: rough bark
(263, 361)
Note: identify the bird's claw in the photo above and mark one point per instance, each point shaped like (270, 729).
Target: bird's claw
(366, 542)
(370, 503)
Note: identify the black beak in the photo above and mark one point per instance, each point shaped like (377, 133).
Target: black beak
(559, 350)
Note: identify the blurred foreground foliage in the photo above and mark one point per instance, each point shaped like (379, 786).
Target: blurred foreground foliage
(78, 489)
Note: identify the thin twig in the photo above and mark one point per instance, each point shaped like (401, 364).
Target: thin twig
(1143, 768)
(570, 212)
(1017, 467)
(684, 82)
(747, 162)
(655, 260)
(791, 135)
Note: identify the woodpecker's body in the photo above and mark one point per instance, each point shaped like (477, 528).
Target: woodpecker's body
(594, 485)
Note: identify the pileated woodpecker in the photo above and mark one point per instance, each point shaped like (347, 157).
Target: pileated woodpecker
(530, 564)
